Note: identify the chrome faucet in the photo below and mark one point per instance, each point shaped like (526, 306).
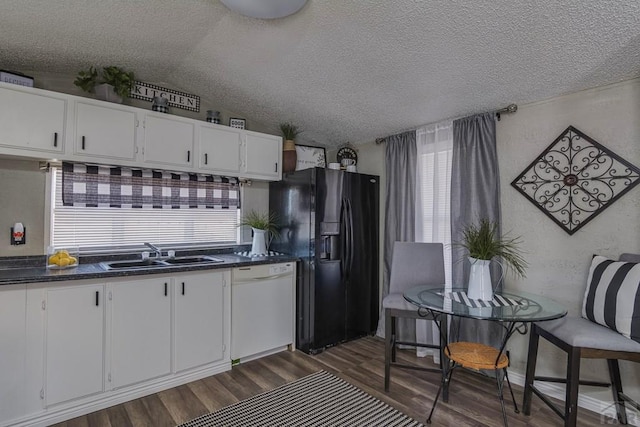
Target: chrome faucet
(155, 249)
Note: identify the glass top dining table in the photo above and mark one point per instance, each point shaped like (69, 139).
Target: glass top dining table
(513, 310)
(506, 306)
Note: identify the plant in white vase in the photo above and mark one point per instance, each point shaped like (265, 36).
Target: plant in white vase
(264, 227)
(114, 84)
(484, 245)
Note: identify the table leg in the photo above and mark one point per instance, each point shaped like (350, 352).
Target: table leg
(444, 360)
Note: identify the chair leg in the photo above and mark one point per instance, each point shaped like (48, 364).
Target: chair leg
(446, 378)
(500, 382)
(513, 398)
(616, 389)
(389, 332)
(573, 381)
(394, 337)
(531, 370)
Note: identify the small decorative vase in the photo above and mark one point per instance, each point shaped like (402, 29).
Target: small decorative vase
(289, 156)
(213, 117)
(480, 287)
(106, 92)
(259, 244)
(160, 104)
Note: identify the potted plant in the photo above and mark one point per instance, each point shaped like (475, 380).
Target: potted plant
(483, 244)
(289, 156)
(114, 85)
(264, 227)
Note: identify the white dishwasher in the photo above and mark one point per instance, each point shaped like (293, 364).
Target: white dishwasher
(262, 309)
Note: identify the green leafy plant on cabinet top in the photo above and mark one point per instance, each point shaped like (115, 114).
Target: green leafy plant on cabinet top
(122, 81)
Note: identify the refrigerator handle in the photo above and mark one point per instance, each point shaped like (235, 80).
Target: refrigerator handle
(344, 233)
(350, 242)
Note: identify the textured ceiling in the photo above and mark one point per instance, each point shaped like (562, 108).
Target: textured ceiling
(342, 70)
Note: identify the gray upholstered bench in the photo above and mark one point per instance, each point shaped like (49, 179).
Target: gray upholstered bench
(581, 338)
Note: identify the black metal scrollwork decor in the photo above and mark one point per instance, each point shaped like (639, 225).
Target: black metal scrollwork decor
(575, 179)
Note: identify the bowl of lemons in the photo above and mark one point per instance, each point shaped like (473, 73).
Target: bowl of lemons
(61, 258)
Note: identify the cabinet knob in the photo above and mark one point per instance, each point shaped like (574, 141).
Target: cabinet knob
(188, 156)
(83, 142)
(206, 158)
(55, 139)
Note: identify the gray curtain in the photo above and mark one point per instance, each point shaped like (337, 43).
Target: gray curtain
(475, 194)
(400, 209)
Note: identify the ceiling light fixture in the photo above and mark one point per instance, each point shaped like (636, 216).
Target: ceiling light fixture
(265, 9)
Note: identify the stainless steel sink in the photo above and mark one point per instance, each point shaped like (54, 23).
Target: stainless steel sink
(152, 263)
(193, 260)
(121, 265)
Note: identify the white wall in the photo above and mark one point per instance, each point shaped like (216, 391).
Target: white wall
(559, 262)
(23, 199)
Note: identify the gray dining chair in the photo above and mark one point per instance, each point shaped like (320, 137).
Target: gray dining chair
(581, 338)
(412, 264)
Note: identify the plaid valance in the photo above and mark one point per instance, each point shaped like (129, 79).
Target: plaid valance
(119, 187)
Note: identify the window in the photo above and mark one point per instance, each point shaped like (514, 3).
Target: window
(433, 222)
(97, 228)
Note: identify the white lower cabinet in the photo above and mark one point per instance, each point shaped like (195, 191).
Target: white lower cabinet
(200, 319)
(140, 326)
(74, 347)
(74, 342)
(12, 351)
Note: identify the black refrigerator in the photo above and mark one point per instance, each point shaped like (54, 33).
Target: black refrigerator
(330, 220)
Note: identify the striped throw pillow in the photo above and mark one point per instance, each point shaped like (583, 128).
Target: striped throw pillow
(612, 297)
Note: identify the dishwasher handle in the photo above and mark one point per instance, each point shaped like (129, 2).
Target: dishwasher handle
(261, 278)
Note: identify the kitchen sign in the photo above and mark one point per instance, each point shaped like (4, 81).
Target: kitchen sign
(148, 91)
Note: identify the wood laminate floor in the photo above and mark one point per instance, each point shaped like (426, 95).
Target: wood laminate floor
(472, 402)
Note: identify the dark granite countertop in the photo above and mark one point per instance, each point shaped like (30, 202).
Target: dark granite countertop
(16, 270)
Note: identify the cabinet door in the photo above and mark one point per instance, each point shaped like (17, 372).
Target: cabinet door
(168, 141)
(220, 149)
(12, 351)
(263, 156)
(102, 131)
(74, 342)
(30, 122)
(140, 331)
(199, 319)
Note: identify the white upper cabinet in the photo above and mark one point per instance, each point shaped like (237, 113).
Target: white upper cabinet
(45, 125)
(263, 156)
(33, 122)
(168, 140)
(220, 149)
(105, 131)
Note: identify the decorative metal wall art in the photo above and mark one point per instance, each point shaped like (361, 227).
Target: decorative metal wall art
(575, 179)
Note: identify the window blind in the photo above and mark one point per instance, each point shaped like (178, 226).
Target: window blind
(433, 193)
(106, 227)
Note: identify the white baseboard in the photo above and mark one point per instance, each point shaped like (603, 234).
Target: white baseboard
(595, 405)
(69, 410)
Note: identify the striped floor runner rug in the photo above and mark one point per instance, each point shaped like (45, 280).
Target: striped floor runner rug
(319, 399)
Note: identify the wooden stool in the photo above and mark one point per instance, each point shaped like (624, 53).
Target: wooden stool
(478, 357)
